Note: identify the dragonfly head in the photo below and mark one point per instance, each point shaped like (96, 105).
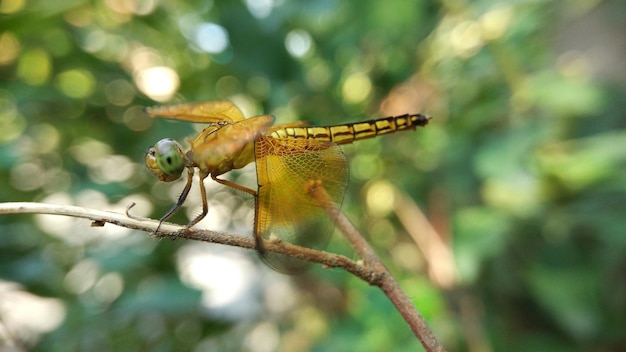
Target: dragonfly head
(166, 160)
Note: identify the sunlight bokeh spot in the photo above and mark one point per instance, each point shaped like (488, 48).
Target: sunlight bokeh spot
(89, 151)
(225, 278)
(116, 49)
(82, 276)
(380, 198)
(260, 8)
(95, 40)
(34, 66)
(47, 137)
(80, 16)
(466, 38)
(59, 226)
(11, 6)
(27, 176)
(113, 168)
(58, 181)
(142, 58)
(495, 22)
(298, 42)
(188, 23)
(159, 83)
(108, 288)
(27, 314)
(137, 7)
(211, 38)
(9, 48)
(120, 92)
(264, 337)
(217, 218)
(356, 88)
(12, 124)
(281, 296)
(136, 119)
(77, 83)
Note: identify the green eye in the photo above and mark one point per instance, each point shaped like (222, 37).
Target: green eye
(166, 160)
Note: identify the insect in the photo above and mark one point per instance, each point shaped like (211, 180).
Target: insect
(288, 157)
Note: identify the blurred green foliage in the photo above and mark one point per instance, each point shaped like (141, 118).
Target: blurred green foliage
(521, 173)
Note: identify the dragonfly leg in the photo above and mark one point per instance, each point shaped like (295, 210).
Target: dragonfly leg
(181, 198)
(205, 204)
(234, 185)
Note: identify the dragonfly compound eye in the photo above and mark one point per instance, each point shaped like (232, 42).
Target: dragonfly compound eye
(166, 160)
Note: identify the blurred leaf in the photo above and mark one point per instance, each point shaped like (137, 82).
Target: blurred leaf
(570, 296)
(564, 96)
(587, 161)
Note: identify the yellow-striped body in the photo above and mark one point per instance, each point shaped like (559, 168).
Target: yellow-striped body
(348, 133)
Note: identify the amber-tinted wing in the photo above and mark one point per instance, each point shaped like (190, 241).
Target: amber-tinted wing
(205, 112)
(284, 209)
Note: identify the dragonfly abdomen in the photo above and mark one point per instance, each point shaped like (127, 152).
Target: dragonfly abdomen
(348, 133)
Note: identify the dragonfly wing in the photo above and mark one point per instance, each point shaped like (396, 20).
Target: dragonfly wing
(284, 209)
(205, 112)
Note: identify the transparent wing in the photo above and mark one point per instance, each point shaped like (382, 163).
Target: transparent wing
(205, 112)
(284, 210)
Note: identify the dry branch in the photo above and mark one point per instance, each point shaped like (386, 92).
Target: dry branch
(370, 270)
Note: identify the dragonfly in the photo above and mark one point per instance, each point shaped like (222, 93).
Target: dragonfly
(288, 158)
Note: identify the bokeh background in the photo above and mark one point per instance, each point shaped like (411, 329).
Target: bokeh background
(503, 219)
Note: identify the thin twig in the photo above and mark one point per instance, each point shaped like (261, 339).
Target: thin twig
(100, 217)
(379, 275)
(371, 270)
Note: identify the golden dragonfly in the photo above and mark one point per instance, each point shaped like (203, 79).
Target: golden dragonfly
(288, 157)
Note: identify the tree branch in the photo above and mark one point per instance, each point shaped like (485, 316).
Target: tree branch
(370, 270)
(379, 274)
